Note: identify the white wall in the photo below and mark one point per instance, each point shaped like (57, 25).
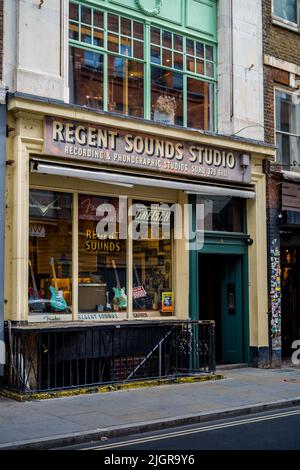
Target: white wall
(35, 47)
(240, 68)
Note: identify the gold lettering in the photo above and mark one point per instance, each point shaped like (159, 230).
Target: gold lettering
(70, 133)
(128, 143)
(80, 135)
(58, 129)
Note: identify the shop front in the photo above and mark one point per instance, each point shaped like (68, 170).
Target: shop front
(103, 230)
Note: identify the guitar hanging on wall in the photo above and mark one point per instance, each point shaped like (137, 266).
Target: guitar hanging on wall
(140, 297)
(57, 300)
(36, 302)
(120, 298)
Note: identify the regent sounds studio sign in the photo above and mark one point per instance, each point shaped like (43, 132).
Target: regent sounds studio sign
(79, 141)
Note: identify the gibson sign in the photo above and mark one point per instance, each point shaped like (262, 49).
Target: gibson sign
(78, 141)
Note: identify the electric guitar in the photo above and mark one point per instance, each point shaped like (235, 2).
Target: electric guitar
(107, 306)
(140, 297)
(120, 298)
(35, 301)
(57, 300)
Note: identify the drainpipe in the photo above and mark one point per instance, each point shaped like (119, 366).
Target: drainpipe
(231, 63)
(2, 220)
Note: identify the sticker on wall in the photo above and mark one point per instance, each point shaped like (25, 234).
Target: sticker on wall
(275, 295)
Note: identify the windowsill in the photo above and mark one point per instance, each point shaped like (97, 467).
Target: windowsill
(286, 25)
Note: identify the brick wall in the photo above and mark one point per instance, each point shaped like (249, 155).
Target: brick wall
(282, 44)
(1, 38)
(279, 42)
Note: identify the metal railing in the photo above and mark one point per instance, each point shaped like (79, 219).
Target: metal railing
(62, 358)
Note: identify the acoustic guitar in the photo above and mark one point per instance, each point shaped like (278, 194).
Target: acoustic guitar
(120, 298)
(57, 300)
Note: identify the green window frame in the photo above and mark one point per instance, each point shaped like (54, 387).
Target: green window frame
(182, 54)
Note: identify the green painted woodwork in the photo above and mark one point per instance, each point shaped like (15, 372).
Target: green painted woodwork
(232, 324)
(233, 253)
(209, 52)
(201, 16)
(193, 17)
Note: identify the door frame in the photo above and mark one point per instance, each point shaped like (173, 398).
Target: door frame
(219, 243)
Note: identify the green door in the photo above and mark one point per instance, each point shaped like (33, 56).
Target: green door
(232, 309)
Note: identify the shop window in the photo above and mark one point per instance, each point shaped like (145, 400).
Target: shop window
(288, 130)
(286, 10)
(223, 214)
(152, 261)
(50, 252)
(125, 52)
(102, 257)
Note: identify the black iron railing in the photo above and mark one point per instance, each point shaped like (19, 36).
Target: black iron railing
(63, 358)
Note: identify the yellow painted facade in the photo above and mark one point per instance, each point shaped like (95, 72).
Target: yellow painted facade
(26, 139)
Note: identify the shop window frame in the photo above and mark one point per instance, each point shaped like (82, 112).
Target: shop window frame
(147, 61)
(129, 253)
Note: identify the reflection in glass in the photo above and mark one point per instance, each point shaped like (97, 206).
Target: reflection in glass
(86, 78)
(102, 257)
(152, 260)
(222, 214)
(50, 252)
(200, 104)
(125, 86)
(166, 95)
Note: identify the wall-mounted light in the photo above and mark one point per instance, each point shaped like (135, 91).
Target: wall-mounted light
(244, 160)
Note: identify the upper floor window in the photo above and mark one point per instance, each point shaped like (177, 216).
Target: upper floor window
(118, 64)
(286, 11)
(288, 129)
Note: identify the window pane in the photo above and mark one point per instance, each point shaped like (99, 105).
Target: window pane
(200, 66)
(102, 256)
(126, 27)
(86, 34)
(200, 105)
(98, 19)
(223, 214)
(210, 69)
(138, 49)
(167, 58)
(167, 92)
(113, 23)
(98, 37)
(286, 9)
(288, 152)
(74, 31)
(113, 43)
(287, 113)
(190, 47)
(138, 30)
(73, 12)
(86, 15)
(167, 39)
(209, 53)
(190, 63)
(50, 252)
(178, 43)
(178, 61)
(155, 36)
(155, 54)
(125, 46)
(125, 86)
(152, 261)
(86, 78)
(200, 49)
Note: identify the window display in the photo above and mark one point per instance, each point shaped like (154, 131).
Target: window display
(102, 257)
(152, 259)
(50, 252)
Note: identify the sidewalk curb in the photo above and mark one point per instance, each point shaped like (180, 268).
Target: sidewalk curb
(147, 426)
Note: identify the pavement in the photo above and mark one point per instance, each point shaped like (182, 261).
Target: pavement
(42, 424)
